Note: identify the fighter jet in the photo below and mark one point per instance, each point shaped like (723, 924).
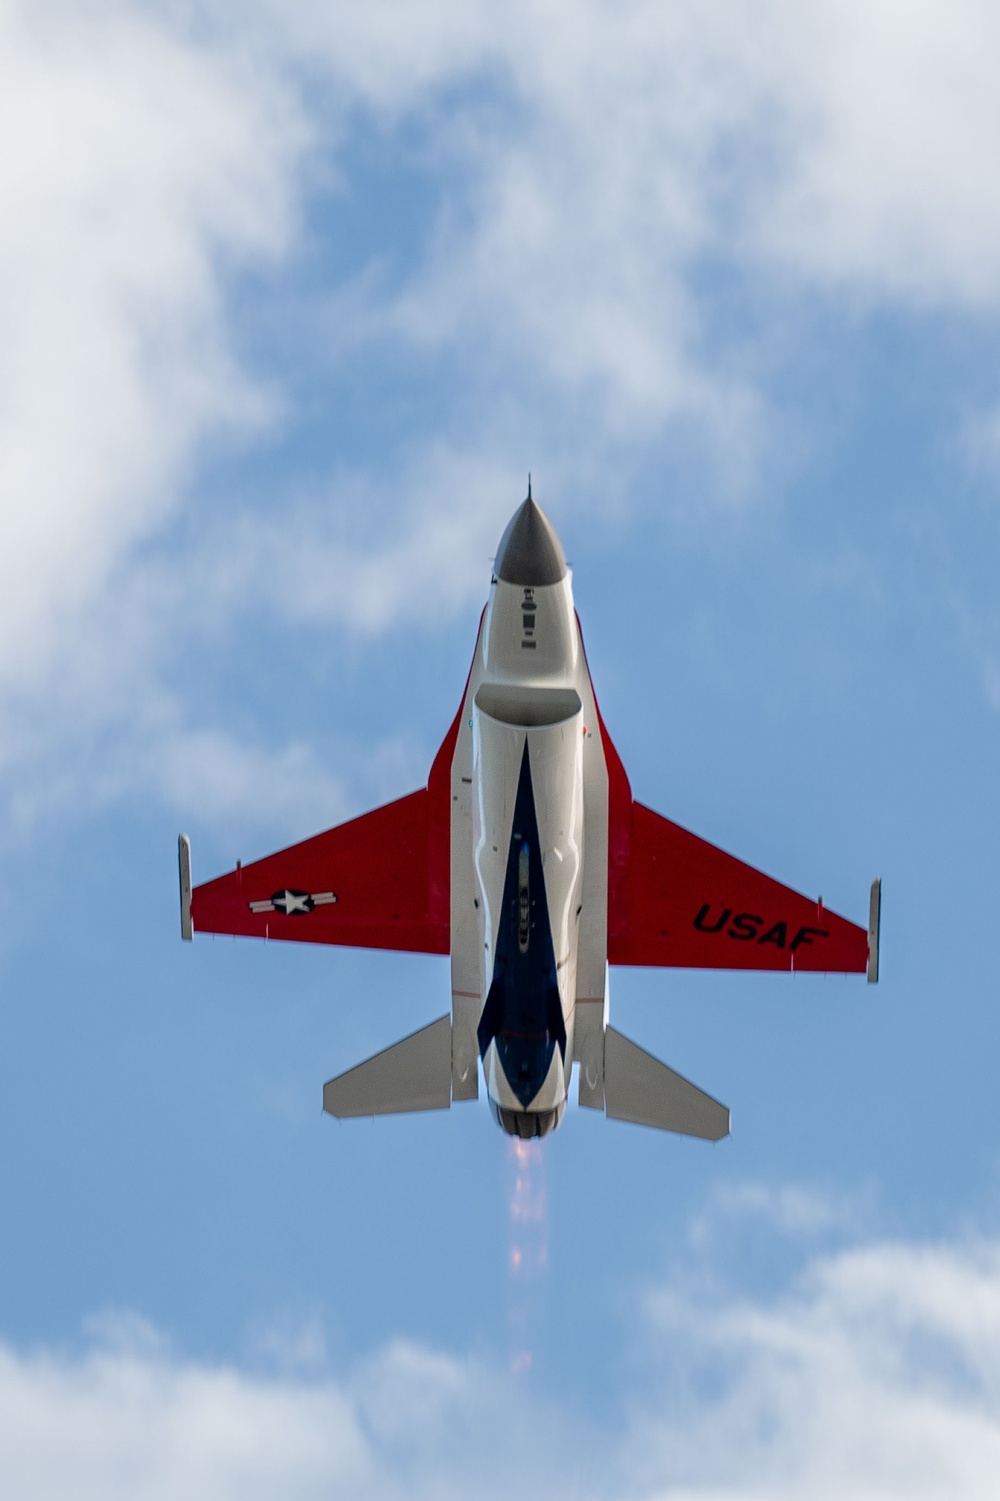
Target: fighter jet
(527, 860)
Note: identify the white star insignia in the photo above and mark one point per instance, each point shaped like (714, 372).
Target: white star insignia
(293, 903)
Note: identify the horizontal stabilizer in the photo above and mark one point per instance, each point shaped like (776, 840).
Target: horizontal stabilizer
(414, 1074)
(641, 1089)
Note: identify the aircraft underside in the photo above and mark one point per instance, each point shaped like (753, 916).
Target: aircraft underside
(526, 859)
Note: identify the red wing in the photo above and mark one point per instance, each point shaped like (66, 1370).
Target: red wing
(685, 903)
(366, 884)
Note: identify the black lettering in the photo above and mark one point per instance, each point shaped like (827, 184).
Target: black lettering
(777, 935)
(803, 936)
(699, 921)
(745, 927)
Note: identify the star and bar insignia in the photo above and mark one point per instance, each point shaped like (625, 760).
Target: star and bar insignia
(294, 903)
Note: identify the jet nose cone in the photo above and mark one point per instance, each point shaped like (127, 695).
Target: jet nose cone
(529, 551)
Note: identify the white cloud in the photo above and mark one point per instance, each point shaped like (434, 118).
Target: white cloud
(596, 169)
(789, 1209)
(295, 1347)
(596, 158)
(890, 110)
(129, 1420)
(208, 773)
(250, 788)
(603, 156)
(123, 1424)
(133, 163)
(136, 168)
(876, 1374)
(399, 546)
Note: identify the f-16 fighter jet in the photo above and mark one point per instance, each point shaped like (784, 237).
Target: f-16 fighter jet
(527, 860)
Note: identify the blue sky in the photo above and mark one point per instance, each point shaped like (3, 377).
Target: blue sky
(290, 305)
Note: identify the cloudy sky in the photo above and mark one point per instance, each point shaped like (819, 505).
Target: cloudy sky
(290, 303)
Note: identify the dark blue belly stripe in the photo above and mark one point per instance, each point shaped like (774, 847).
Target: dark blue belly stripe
(522, 1010)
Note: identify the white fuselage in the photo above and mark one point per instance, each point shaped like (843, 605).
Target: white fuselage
(529, 694)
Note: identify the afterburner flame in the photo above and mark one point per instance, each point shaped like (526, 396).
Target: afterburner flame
(528, 1246)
